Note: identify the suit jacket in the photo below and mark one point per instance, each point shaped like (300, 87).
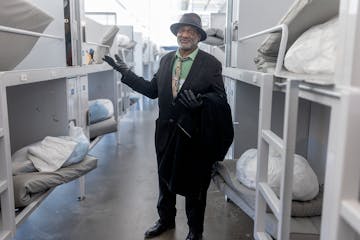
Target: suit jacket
(204, 77)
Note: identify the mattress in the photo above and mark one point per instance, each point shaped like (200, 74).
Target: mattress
(22, 15)
(306, 215)
(103, 127)
(28, 186)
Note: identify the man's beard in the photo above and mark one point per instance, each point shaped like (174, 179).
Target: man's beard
(187, 46)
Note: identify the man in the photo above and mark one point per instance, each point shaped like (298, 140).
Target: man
(193, 118)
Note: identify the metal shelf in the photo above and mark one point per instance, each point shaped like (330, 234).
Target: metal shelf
(12, 78)
(246, 76)
(323, 94)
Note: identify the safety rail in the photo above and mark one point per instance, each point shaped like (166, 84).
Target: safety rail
(28, 33)
(283, 43)
(97, 44)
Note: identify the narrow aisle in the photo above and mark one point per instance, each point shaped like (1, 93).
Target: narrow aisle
(122, 195)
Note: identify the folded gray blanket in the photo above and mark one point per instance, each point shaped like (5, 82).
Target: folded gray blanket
(215, 37)
(28, 186)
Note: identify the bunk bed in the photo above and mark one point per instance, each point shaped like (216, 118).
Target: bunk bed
(102, 118)
(271, 78)
(39, 96)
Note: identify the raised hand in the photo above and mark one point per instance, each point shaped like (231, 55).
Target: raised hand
(109, 60)
(119, 65)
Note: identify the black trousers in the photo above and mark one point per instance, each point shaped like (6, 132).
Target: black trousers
(194, 206)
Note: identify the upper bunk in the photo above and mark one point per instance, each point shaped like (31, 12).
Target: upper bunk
(44, 41)
(329, 85)
(303, 46)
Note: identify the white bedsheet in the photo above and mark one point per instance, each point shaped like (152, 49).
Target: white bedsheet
(51, 153)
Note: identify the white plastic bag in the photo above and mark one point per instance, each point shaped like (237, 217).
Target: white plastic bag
(77, 134)
(314, 52)
(305, 182)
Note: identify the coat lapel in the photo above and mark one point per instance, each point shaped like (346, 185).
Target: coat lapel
(194, 71)
(168, 65)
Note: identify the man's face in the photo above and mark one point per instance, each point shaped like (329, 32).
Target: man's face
(187, 38)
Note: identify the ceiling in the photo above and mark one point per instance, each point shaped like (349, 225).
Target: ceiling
(213, 6)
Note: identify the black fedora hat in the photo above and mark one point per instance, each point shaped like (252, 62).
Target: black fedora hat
(189, 19)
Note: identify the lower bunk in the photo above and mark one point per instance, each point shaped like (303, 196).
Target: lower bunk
(31, 188)
(306, 216)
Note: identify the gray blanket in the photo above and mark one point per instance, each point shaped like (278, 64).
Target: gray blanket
(28, 186)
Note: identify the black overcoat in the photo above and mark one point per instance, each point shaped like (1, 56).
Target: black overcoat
(204, 77)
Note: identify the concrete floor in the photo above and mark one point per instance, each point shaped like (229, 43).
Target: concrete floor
(122, 195)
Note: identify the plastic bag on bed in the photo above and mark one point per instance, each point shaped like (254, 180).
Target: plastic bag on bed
(305, 182)
(100, 109)
(314, 52)
(21, 163)
(77, 134)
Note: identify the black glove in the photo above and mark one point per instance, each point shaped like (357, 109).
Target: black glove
(119, 65)
(188, 99)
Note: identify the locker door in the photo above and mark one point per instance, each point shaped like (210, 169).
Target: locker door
(83, 103)
(72, 99)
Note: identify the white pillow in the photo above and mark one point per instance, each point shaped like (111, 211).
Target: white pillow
(314, 52)
(305, 182)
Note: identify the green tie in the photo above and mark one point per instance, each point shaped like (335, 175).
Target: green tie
(176, 77)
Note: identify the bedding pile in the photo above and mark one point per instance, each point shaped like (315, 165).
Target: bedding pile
(302, 15)
(46, 164)
(215, 37)
(225, 175)
(305, 181)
